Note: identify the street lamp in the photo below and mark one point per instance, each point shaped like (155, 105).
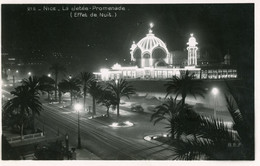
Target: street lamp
(215, 92)
(117, 96)
(78, 107)
(29, 73)
(49, 75)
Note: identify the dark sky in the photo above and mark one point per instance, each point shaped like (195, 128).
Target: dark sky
(223, 26)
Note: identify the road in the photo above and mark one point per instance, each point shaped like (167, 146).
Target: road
(106, 142)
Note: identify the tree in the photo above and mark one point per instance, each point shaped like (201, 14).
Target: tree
(216, 140)
(168, 111)
(71, 86)
(107, 99)
(180, 119)
(86, 78)
(56, 68)
(33, 83)
(47, 84)
(183, 86)
(95, 92)
(120, 88)
(22, 105)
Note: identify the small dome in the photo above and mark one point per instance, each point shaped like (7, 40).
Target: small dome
(150, 42)
(227, 56)
(192, 41)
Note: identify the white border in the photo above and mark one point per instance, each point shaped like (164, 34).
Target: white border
(155, 162)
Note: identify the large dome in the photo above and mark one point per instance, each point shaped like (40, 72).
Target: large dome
(150, 42)
(149, 50)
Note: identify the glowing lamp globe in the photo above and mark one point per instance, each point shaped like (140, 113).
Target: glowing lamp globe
(78, 107)
(151, 25)
(215, 91)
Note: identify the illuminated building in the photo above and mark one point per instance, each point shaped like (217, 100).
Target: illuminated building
(152, 60)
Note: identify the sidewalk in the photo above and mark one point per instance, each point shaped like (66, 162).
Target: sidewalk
(84, 154)
(81, 154)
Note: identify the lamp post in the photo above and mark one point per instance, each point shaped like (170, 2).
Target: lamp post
(117, 93)
(78, 107)
(215, 92)
(15, 73)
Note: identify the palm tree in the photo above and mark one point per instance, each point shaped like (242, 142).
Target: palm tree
(56, 68)
(241, 107)
(216, 139)
(183, 86)
(95, 92)
(71, 86)
(86, 78)
(61, 89)
(180, 119)
(33, 83)
(120, 88)
(168, 111)
(107, 99)
(24, 103)
(47, 84)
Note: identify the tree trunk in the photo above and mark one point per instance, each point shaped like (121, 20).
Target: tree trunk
(71, 98)
(118, 109)
(59, 97)
(94, 105)
(84, 102)
(48, 96)
(195, 137)
(183, 101)
(33, 118)
(56, 82)
(22, 131)
(172, 132)
(108, 112)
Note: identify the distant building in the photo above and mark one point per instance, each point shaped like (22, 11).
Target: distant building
(39, 58)
(152, 60)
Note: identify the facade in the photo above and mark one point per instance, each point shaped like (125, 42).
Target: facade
(152, 60)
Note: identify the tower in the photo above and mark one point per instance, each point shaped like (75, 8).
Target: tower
(192, 51)
(227, 58)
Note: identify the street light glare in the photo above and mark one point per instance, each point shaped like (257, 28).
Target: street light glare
(215, 91)
(78, 107)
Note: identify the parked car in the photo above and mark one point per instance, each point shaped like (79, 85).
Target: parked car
(137, 108)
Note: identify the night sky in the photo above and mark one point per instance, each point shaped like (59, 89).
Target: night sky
(219, 27)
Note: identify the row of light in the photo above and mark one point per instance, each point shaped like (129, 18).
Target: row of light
(115, 124)
(30, 73)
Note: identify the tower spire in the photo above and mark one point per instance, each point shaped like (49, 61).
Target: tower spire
(151, 26)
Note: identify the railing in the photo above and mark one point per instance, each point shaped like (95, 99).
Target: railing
(25, 137)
